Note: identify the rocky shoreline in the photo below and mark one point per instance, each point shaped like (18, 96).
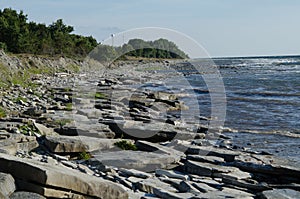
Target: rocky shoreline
(66, 138)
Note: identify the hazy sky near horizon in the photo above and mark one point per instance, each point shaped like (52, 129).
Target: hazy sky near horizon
(222, 27)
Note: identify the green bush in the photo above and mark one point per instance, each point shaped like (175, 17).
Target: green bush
(126, 145)
(84, 155)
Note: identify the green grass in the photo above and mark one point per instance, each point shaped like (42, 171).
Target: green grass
(27, 128)
(99, 95)
(18, 99)
(126, 145)
(69, 106)
(62, 122)
(73, 68)
(40, 70)
(2, 113)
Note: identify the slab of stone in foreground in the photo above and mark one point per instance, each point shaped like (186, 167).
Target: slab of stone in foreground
(59, 178)
(143, 161)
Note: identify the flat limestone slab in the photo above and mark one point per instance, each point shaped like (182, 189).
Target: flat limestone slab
(60, 178)
(139, 160)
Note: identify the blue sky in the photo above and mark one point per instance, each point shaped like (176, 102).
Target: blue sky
(222, 27)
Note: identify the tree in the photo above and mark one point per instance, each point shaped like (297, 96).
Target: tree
(19, 36)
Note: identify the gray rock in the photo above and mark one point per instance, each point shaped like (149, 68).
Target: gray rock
(77, 144)
(212, 170)
(90, 113)
(280, 194)
(148, 185)
(228, 193)
(34, 111)
(43, 130)
(86, 129)
(15, 142)
(202, 187)
(208, 159)
(154, 131)
(171, 174)
(7, 185)
(187, 187)
(153, 147)
(170, 195)
(69, 164)
(48, 192)
(208, 181)
(26, 195)
(248, 184)
(59, 178)
(8, 147)
(267, 165)
(133, 172)
(143, 161)
(228, 155)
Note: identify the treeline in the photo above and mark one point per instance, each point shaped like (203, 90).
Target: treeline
(17, 35)
(161, 49)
